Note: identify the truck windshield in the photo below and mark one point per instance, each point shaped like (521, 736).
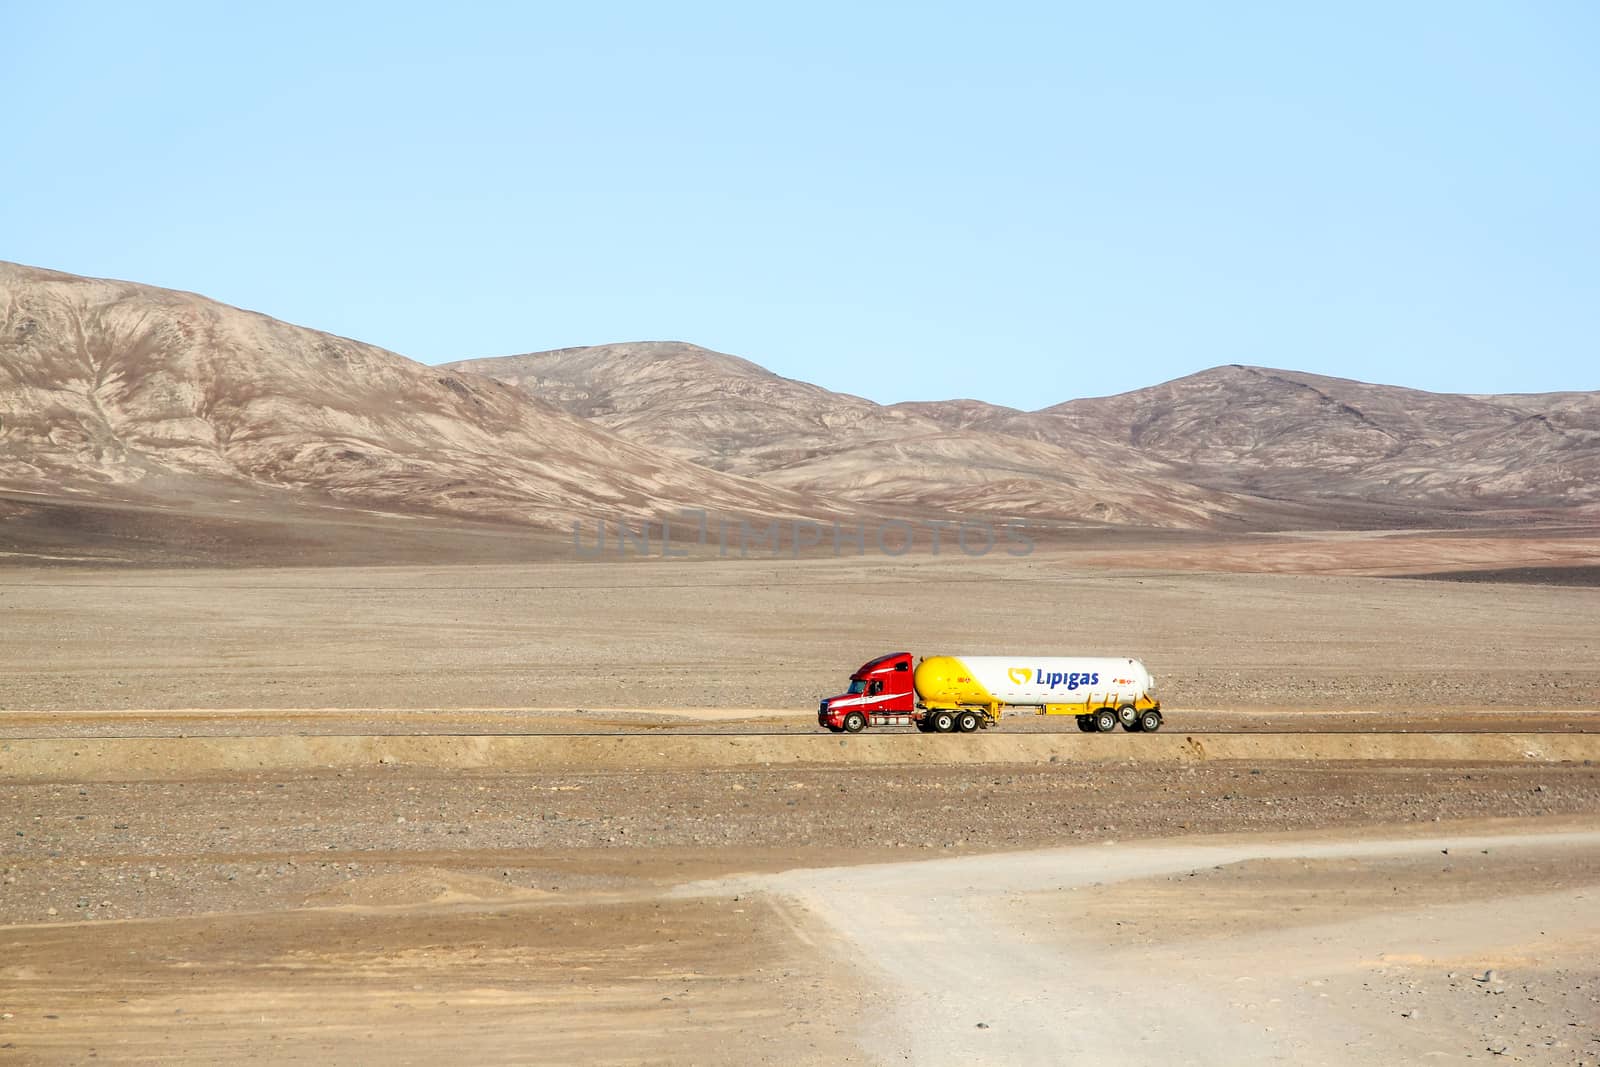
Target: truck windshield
(857, 686)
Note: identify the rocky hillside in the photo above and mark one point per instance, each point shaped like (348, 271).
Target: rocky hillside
(1229, 446)
(728, 413)
(112, 390)
(115, 394)
(1287, 435)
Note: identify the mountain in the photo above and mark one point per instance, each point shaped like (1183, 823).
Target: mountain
(1284, 434)
(179, 428)
(112, 391)
(1231, 446)
(714, 409)
(733, 415)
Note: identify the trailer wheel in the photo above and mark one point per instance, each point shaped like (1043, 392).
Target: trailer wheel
(943, 722)
(1105, 720)
(1128, 714)
(1150, 721)
(855, 722)
(967, 722)
(1132, 727)
(1086, 724)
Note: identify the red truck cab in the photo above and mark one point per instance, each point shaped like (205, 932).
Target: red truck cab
(880, 694)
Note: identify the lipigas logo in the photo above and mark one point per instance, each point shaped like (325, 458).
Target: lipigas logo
(1071, 681)
(1051, 679)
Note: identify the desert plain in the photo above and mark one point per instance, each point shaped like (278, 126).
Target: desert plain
(567, 811)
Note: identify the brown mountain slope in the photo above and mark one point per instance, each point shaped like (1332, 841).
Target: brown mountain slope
(117, 391)
(1229, 445)
(956, 414)
(709, 407)
(731, 414)
(1286, 434)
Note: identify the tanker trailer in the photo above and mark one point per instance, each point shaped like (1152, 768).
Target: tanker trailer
(963, 694)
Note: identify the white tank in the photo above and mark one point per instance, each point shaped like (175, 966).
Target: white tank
(1040, 680)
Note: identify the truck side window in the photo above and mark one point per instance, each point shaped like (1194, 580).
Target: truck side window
(875, 689)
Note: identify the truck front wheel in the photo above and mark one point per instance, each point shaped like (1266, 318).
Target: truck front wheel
(967, 722)
(855, 722)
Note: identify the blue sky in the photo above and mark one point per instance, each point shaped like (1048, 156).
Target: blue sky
(1019, 202)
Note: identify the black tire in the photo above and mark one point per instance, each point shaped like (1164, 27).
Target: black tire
(1128, 715)
(1086, 723)
(923, 727)
(1150, 721)
(943, 722)
(1105, 720)
(1132, 727)
(967, 722)
(855, 722)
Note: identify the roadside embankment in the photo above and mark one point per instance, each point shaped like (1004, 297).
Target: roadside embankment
(156, 758)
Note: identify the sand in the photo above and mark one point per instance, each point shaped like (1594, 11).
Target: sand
(1074, 956)
(252, 814)
(772, 634)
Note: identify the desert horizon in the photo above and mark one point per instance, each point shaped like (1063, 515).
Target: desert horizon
(145, 426)
(1086, 551)
(476, 702)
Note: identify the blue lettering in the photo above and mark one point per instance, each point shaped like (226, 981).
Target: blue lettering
(1072, 681)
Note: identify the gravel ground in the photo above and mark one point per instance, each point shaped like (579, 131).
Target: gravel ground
(104, 850)
(771, 634)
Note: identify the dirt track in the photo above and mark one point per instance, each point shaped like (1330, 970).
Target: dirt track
(667, 722)
(189, 758)
(1035, 980)
(395, 916)
(189, 885)
(378, 915)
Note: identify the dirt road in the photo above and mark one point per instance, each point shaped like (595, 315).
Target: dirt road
(971, 966)
(308, 852)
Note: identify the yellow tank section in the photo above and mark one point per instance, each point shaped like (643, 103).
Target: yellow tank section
(945, 682)
(1145, 702)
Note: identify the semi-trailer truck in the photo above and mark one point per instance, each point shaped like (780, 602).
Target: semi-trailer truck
(944, 694)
